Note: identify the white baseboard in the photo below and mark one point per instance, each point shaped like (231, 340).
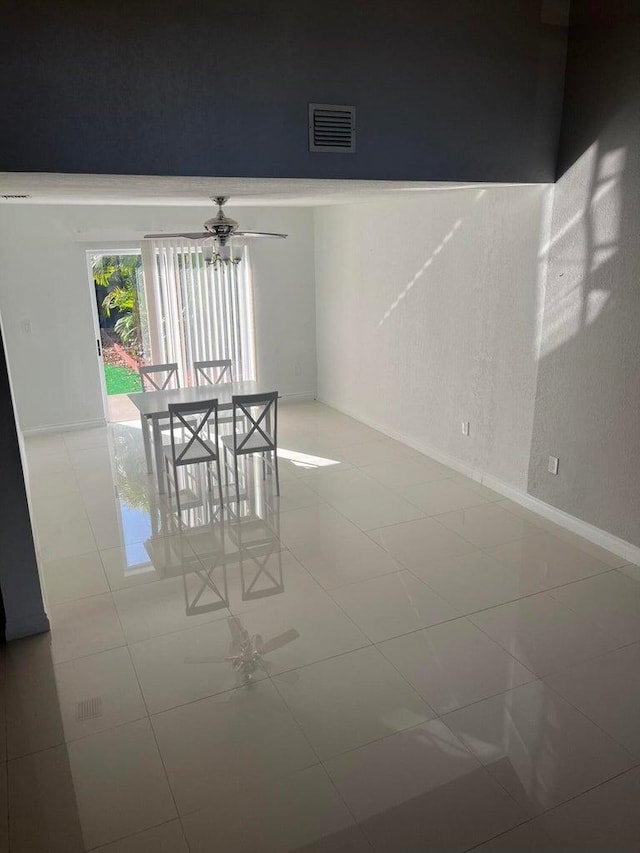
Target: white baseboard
(96, 422)
(297, 396)
(433, 452)
(626, 550)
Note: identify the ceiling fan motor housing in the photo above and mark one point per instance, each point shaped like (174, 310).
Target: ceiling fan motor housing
(220, 225)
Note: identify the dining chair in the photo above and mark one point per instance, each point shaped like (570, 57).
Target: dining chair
(195, 445)
(258, 415)
(159, 377)
(213, 372)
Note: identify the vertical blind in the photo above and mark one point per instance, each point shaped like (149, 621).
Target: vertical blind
(198, 312)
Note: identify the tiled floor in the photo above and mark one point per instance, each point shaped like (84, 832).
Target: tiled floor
(432, 668)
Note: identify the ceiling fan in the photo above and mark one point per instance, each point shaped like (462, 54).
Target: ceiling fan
(220, 228)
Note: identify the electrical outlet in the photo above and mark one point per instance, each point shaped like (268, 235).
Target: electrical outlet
(554, 462)
(465, 427)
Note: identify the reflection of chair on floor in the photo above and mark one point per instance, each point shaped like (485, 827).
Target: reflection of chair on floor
(258, 414)
(254, 529)
(260, 575)
(169, 556)
(200, 507)
(198, 555)
(206, 590)
(197, 447)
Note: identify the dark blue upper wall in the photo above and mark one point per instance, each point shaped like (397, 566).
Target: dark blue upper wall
(602, 94)
(464, 90)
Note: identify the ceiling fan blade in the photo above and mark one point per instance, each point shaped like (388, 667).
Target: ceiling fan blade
(202, 235)
(257, 234)
(237, 629)
(277, 642)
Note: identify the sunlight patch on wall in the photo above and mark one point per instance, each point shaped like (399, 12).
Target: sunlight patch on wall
(595, 303)
(605, 207)
(546, 219)
(581, 242)
(421, 271)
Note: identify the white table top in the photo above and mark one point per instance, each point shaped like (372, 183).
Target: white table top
(155, 404)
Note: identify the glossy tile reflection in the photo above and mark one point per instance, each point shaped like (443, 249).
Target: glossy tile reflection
(538, 746)
(350, 700)
(352, 666)
(300, 812)
(409, 791)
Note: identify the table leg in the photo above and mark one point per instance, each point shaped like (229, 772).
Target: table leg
(146, 438)
(157, 446)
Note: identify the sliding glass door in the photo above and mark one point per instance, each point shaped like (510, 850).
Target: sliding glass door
(198, 310)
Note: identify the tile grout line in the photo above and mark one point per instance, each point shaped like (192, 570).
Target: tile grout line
(548, 674)
(151, 726)
(558, 806)
(466, 616)
(582, 713)
(131, 835)
(524, 597)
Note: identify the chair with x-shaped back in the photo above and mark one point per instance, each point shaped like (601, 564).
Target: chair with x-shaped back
(159, 377)
(213, 372)
(192, 422)
(258, 415)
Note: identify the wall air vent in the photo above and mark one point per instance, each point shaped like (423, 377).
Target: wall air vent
(14, 196)
(332, 128)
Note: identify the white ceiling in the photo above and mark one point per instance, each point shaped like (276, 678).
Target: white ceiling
(46, 188)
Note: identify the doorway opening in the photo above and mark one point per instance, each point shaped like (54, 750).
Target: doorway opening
(123, 329)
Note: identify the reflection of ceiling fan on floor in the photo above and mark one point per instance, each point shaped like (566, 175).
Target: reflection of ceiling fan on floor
(219, 229)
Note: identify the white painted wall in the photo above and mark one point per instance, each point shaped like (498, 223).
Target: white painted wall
(588, 395)
(43, 280)
(427, 315)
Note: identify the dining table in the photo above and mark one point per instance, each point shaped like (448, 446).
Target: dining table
(154, 408)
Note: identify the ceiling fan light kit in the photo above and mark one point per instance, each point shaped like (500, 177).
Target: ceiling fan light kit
(227, 254)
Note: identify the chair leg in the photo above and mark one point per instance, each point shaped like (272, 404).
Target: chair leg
(275, 462)
(177, 484)
(235, 471)
(166, 466)
(219, 484)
